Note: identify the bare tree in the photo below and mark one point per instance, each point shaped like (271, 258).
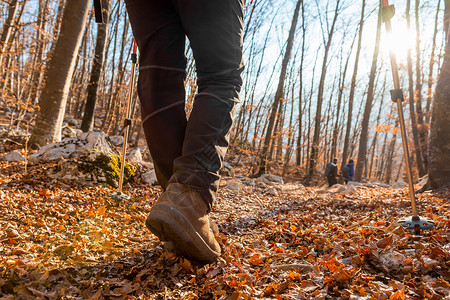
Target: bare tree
(315, 141)
(412, 113)
(279, 93)
(97, 66)
(422, 131)
(7, 27)
(341, 85)
(54, 96)
(439, 168)
(352, 90)
(300, 92)
(359, 168)
(431, 66)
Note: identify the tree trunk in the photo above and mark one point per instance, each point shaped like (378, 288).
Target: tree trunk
(315, 141)
(352, 90)
(7, 27)
(102, 32)
(338, 109)
(375, 137)
(38, 65)
(417, 148)
(79, 75)
(387, 171)
(439, 168)
(359, 168)
(7, 40)
(54, 96)
(420, 122)
(108, 110)
(300, 92)
(287, 156)
(279, 93)
(431, 67)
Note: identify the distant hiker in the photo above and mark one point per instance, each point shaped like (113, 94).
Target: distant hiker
(331, 171)
(188, 153)
(348, 171)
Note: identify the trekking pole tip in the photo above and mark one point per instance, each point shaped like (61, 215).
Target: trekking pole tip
(119, 196)
(416, 223)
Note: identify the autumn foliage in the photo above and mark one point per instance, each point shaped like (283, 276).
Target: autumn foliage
(70, 241)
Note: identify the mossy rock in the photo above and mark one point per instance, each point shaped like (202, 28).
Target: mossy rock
(110, 163)
(96, 167)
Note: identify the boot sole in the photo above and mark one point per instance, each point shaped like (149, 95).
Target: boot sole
(170, 225)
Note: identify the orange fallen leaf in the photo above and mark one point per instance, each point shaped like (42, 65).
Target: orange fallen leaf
(383, 243)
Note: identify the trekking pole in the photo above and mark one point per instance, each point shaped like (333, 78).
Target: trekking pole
(414, 222)
(119, 195)
(98, 11)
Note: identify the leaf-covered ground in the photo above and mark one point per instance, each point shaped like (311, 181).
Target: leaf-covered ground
(60, 240)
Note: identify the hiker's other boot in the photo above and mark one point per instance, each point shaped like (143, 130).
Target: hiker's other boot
(180, 216)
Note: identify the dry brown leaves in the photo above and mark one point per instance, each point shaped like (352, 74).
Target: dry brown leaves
(62, 240)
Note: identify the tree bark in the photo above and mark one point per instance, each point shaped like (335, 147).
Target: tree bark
(439, 168)
(422, 131)
(54, 96)
(387, 171)
(36, 77)
(315, 141)
(352, 90)
(431, 67)
(334, 140)
(412, 113)
(89, 109)
(359, 168)
(7, 27)
(279, 93)
(300, 92)
(375, 137)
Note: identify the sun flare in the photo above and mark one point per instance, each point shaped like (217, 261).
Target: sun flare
(401, 39)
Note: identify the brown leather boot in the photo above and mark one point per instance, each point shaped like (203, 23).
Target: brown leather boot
(180, 217)
(169, 246)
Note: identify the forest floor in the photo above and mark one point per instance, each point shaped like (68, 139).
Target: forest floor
(62, 240)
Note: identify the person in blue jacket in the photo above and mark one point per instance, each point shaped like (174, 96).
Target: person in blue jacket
(348, 171)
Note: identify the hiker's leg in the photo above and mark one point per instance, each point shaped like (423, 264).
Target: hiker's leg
(214, 29)
(333, 181)
(161, 40)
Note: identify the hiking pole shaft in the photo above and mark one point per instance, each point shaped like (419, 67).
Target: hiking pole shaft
(397, 96)
(98, 10)
(127, 122)
(407, 158)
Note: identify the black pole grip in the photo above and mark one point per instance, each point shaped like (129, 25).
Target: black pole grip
(397, 94)
(98, 11)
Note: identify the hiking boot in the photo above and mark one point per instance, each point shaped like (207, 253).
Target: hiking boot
(180, 216)
(169, 246)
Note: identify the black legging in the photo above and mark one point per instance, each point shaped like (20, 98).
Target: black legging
(188, 151)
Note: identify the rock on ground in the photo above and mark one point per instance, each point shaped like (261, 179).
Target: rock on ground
(13, 156)
(135, 155)
(271, 178)
(88, 158)
(81, 145)
(149, 178)
(234, 186)
(227, 169)
(399, 185)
